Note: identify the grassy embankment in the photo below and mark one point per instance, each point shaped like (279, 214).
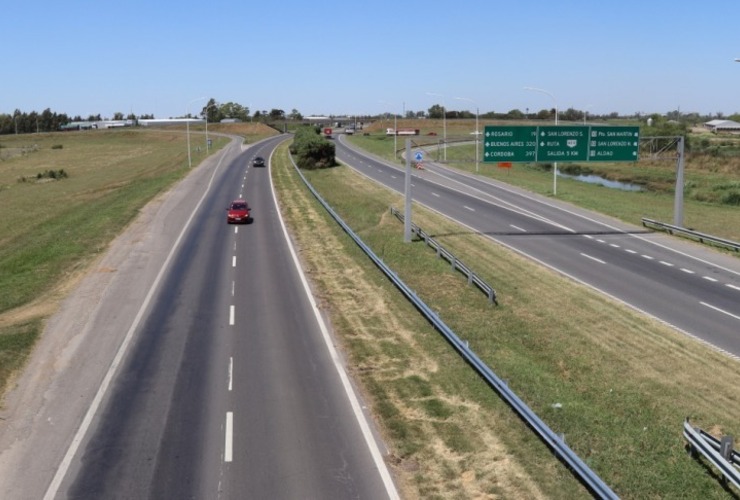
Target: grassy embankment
(711, 195)
(53, 227)
(618, 385)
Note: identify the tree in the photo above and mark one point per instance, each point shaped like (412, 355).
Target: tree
(515, 114)
(46, 121)
(295, 115)
(118, 115)
(234, 111)
(277, 114)
(436, 112)
(545, 114)
(211, 111)
(572, 115)
(312, 150)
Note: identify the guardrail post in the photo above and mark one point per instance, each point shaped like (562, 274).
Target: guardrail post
(726, 446)
(725, 450)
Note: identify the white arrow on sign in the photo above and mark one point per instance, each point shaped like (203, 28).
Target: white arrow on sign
(419, 156)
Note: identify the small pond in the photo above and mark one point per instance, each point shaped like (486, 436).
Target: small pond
(595, 179)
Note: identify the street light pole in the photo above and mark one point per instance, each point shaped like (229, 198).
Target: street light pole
(477, 131)
(187, 126)
(395, 131)
(555, 164)
(444, 124)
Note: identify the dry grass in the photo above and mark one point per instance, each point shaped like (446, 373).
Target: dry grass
(444, 443)
(616, 383)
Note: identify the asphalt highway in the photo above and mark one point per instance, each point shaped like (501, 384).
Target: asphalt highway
(691, 288)
(230, 387)
(206, 374)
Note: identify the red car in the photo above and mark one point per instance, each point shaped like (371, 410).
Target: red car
(238, 212)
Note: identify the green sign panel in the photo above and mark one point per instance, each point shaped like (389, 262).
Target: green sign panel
(562, 143)
(510, 144)
(614, 143)
(570, 143)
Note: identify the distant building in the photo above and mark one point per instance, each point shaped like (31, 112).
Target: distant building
(78, 126)
(159, 122)
(722, 126)
(85, 125)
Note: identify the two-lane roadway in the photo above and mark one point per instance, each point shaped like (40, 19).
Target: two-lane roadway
(231, 387)
(691, 288)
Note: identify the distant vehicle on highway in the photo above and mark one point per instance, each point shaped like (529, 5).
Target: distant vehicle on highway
(238, 212)
(258, 162)
(402, 131)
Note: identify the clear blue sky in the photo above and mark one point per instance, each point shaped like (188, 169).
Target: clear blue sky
(88, 57)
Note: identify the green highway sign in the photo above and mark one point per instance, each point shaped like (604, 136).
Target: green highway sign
(569, 143)
(562, 143)
(510, 144)
(614, 143)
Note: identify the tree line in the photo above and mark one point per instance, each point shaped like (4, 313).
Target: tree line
(214, 111)
(23, 123)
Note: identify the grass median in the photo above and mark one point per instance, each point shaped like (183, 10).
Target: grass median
(616, 384)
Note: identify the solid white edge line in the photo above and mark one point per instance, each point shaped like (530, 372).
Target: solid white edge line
(385, 475)
(61, 472)
(720, 310)
(229, 437)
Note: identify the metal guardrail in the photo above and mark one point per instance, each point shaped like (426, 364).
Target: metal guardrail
(710, 447)
(553, 441)
(457, 264)
(701, 237)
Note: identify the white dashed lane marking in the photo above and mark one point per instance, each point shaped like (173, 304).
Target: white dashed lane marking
(650, 257)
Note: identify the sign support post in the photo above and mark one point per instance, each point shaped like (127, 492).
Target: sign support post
(678, 200)
(407, 195)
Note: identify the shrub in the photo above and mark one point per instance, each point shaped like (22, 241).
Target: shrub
(57, 146)
(52, 174)
(731, 198)
(312, 151)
